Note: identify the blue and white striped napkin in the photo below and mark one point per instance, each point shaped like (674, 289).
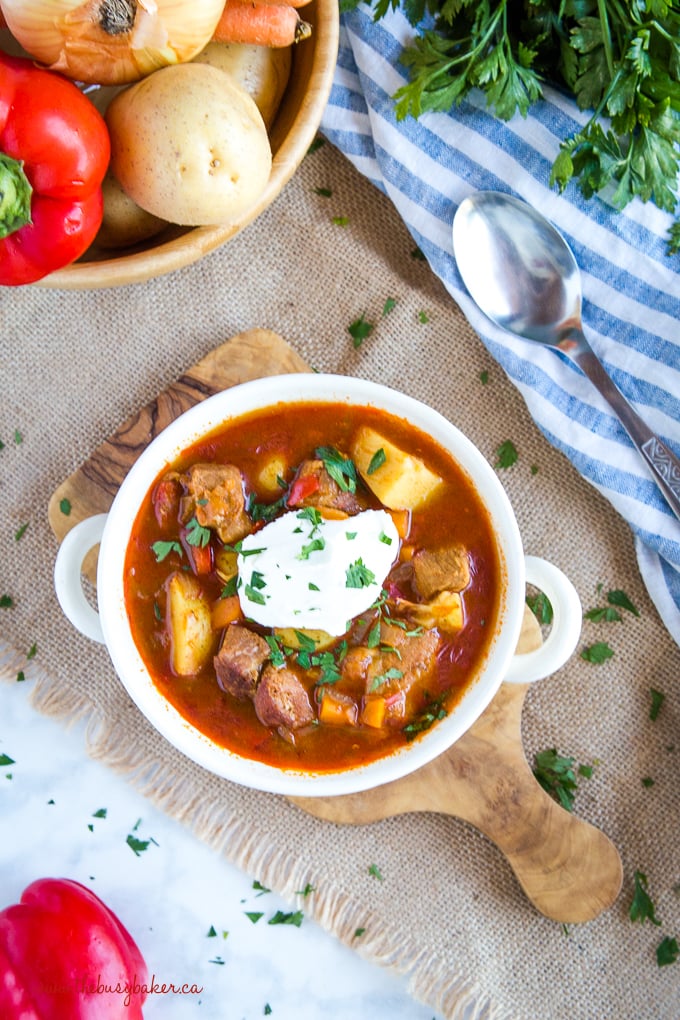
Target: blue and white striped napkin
(631, 307)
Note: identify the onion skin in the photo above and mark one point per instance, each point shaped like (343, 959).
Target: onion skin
(111, 42)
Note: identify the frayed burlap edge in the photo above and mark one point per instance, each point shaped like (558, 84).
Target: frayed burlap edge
(428, 980)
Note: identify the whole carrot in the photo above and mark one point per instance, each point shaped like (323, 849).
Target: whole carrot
(254, 22)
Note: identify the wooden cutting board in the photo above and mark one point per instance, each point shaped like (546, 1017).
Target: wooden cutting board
(568, 869)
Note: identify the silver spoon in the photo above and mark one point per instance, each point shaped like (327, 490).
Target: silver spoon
(523, 275)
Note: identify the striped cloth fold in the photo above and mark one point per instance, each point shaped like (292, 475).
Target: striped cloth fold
(631, 306)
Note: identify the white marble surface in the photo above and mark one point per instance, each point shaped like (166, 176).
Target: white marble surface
(171, 894)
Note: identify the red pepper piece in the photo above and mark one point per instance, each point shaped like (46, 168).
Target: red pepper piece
(301, 488)
(64, 955)
(54, 152)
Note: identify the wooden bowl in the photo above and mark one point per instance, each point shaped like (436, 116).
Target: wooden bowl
(292, 133)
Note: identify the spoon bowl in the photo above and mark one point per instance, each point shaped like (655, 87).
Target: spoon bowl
(522, 274)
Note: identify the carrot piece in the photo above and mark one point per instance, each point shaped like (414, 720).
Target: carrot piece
(225, 611)
(402, 521)
(373, 712)
(260, 24)
(337, 709)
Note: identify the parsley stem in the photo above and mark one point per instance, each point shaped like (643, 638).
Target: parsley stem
(606, 36)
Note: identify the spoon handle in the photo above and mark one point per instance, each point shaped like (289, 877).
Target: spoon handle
(662, 462)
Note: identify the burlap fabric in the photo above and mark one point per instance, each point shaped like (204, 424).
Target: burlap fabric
(449, 912)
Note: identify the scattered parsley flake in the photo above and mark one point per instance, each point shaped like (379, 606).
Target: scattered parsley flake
(374, 872)
(340, 221)
(18, 438)
(294, 917)
(359, 330)
(641, 907)
(162, 549)
(647, 781)
(667, 951)
(423, 317)
(309, 888)
(99, 813)
(390, 303)
(65, 506)
(506, 455)
(218, 960)
(21, 676)
(267, 1011)
(390, 674)
(376, 461)
(323, 192)
(341, 469)
(484, 376)
(196, 534)
(597, 653)
(555, 773)
(32, 651)
(6, 760)
(417, 254)
(603, 614)
(316, 545)
(211, 934)
(259, 888)
(314, 146)
(6, 601)
(253, 595)
(358, 575)
(657, 702)
(21, 531)
(541, 607)
(138, 846)
(254, 915)
(620, 599)
(359, 932)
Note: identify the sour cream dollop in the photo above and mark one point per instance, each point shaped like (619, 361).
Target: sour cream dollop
(304, 571)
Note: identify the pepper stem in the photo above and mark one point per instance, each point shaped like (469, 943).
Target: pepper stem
(15, 196)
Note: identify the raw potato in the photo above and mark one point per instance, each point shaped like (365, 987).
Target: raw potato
(263, 71)
(124, 223)
(402, 482)
(190, 620)
(189, 146)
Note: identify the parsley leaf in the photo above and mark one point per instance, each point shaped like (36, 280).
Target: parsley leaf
(359, 330)
(667, 951)
(556, 775)
(657, 702)
(294, 917)
(641, 907)
(506, 455)
(358, 575)
(597, 653)
(162, 549)
(341, 469)
(620, 599)
(541, 607)
(197, 534)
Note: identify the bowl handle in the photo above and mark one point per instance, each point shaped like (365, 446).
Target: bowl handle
(68, 582)
(566, 624)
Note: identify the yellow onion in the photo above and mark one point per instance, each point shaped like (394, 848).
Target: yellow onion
(111, 41)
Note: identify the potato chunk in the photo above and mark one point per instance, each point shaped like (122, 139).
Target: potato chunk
(189, 620)
(399, 480)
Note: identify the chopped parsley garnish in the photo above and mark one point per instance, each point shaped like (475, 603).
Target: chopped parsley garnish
(390, 303)
(374, 872)
(385, 539)
(603, 614)
(138, 846)
(641, 907)
(6, 760)
(432, 714)
(294, 917)
(506, 455)
(541, 607)
(99, 813)
(253, 595)
(6, 602)
(381, 678)
(359, 932)
(667, 951)
(259, 888)
(197, 534)
(211, 933)
(309, 888)
(358, 575)
(556, 775)
(657, 702)
(254, 915)
(620, 599)
(316, 545)
(276, 654)
(597, 653)
(230, 588)
(265, 511)
(376, 461)
(341, 469)
(359, 330)
(19, 534)
(162, 549)
(340, 221)
(65, 506)
(311, 514)
(323, 192)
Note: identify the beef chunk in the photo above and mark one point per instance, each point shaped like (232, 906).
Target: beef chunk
(411, 655)
(327, 492)
(239, 661)
(282, 701)
(217, 493)
(438, 570)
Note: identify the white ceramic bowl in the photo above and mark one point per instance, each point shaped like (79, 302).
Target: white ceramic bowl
(111, 625)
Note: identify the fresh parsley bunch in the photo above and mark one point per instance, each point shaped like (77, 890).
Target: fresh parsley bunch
(620, 59)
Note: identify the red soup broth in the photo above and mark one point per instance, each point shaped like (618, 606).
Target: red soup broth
(454, 514)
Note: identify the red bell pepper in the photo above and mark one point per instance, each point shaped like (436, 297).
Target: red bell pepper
(64, 955)
(54, 152)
